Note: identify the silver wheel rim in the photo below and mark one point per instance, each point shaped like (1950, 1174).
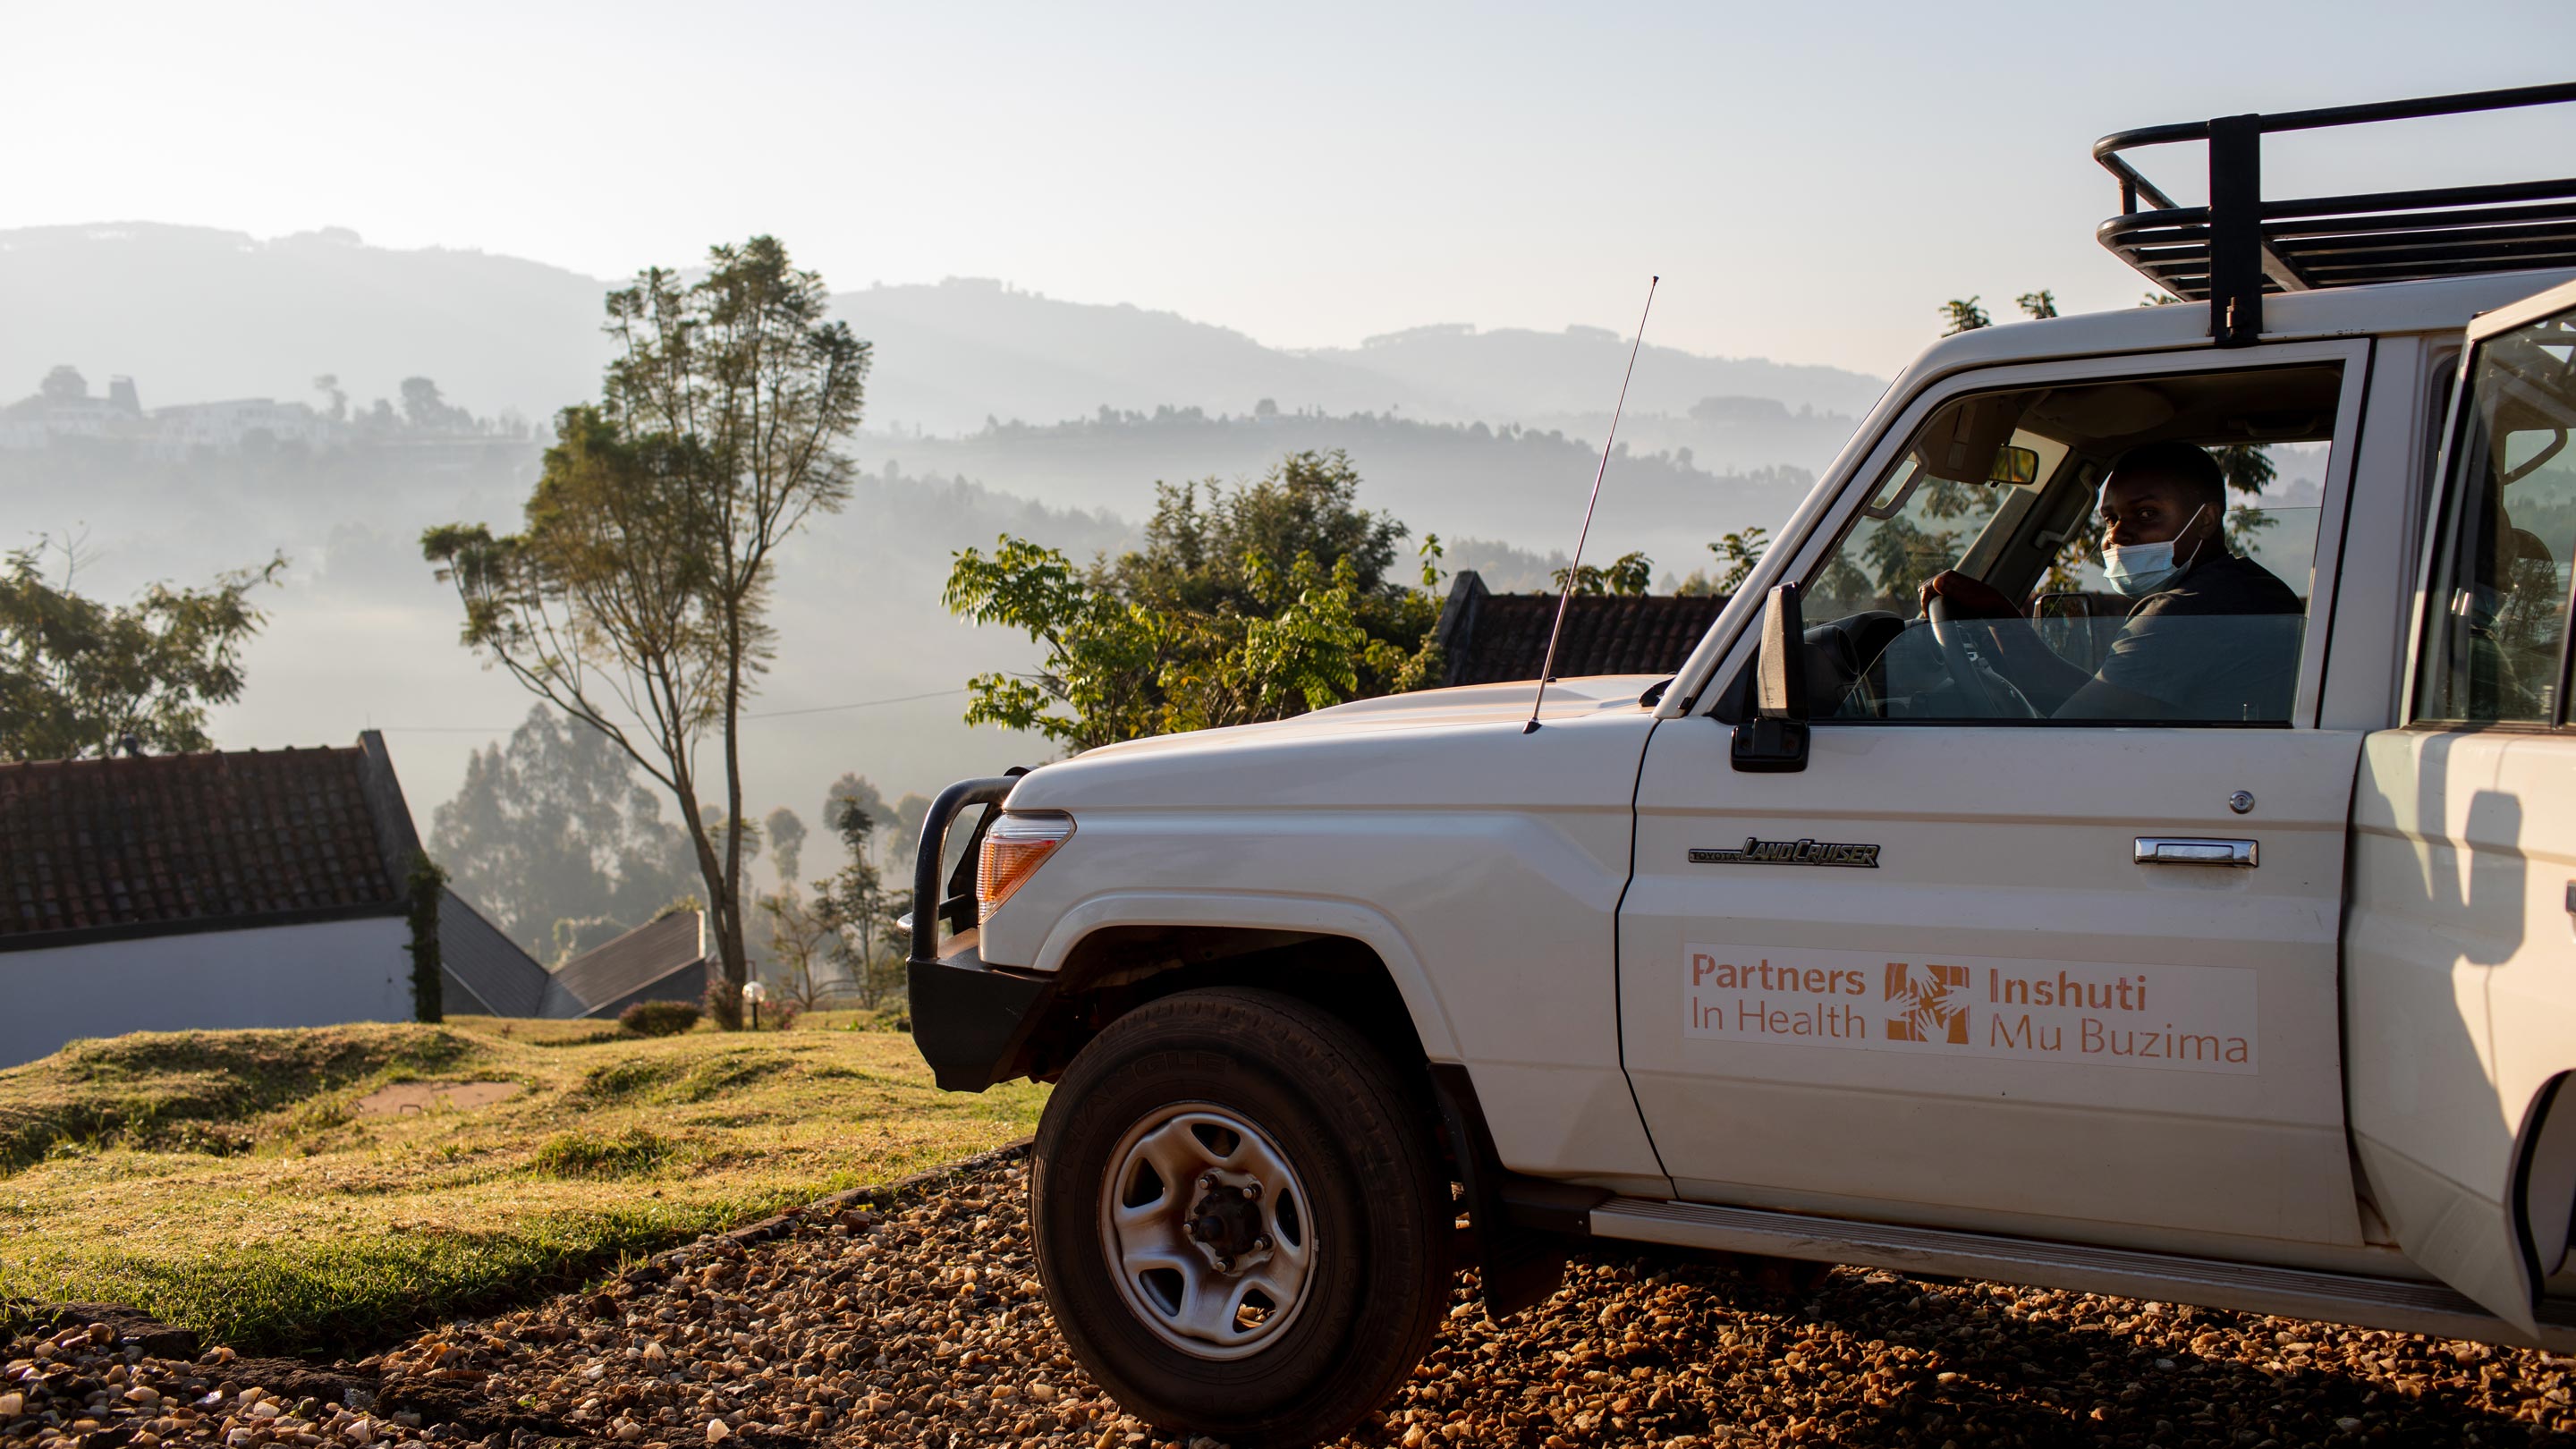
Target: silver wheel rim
(1178, 1168)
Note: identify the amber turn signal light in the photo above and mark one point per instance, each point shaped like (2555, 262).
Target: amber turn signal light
(1013, 850)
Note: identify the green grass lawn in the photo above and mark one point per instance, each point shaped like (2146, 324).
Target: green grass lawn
(232, 1182)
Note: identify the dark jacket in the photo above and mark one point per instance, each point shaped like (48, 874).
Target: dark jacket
(2217, 644)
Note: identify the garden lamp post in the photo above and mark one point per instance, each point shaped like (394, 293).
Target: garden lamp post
(755, 992)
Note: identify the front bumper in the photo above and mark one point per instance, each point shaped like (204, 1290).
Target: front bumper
(970, 1021)
(973, 1022)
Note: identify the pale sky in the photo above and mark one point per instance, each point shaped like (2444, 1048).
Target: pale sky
(1810, 179)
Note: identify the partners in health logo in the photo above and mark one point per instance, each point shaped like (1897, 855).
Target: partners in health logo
(1931, 1014)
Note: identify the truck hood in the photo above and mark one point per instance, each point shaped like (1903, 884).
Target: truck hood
(1433, 745)
(1471, 704)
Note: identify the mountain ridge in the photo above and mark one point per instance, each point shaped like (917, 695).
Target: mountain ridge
(197, 313)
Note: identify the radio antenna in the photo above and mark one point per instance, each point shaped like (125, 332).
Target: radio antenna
(1574, 571)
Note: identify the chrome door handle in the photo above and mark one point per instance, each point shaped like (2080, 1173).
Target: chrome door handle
(2193, 850)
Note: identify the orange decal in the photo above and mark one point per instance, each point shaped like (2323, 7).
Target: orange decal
(1930, 1014)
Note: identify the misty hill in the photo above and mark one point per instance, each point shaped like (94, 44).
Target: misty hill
(1513, 374)
(1512, 484)
(196, 313)
(951, 357)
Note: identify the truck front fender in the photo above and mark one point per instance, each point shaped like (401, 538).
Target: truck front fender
(1352, 920)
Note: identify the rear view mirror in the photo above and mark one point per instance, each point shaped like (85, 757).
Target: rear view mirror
(1774, 740)
(2014, 465)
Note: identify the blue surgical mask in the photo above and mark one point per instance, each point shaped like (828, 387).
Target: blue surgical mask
(2142, 568)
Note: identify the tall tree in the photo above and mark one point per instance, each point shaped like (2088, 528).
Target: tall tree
(909, 813)
(854, 904)
(553, 830)
(854, 790)
(635, 597)
(78, 675)
(786, 842)
(426, 411)
(803, 937)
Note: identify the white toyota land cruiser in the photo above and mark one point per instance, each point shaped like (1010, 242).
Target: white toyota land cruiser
(2194, 925)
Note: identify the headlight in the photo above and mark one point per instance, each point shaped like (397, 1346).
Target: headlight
(1013, 850)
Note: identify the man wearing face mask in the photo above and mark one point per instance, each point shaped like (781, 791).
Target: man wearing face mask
(2211, 636)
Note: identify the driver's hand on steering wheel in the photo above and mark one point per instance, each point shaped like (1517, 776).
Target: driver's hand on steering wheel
(1969, 597)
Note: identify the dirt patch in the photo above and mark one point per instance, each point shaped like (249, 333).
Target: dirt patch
(418, 1098)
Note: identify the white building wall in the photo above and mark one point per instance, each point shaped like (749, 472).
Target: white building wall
(319, 974)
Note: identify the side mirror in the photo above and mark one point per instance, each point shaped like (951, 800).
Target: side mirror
(1774, 741)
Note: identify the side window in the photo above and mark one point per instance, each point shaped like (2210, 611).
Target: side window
(2137, 551)
(2496, 613)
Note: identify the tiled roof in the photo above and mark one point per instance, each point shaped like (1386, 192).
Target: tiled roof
(505, 980)
(100, 848)
(605, 975)
(1501, 638)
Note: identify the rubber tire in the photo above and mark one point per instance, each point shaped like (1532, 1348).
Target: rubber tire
(1360, 1141)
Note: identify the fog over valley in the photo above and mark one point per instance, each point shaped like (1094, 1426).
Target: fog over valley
(320, 397)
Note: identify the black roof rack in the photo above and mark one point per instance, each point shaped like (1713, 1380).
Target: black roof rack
(2240, 246)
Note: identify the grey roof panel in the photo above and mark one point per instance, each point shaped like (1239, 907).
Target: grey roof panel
(612, 972)
(508, 980)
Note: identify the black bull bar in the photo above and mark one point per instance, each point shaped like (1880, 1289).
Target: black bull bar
(971, 1022)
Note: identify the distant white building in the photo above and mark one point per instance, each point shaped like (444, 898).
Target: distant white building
(33, 424)
(227, 427)
(66, 412)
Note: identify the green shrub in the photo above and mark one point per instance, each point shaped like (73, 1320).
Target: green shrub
(659, 1018)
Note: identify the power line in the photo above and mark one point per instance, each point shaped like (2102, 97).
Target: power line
(862, 704)
(764, 714)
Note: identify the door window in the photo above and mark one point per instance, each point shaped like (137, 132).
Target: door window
(2106, 553)
(2495, 615)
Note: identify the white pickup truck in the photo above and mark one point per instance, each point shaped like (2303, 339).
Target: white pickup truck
(2187, 918)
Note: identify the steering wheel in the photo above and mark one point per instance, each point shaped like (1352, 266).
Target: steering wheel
(1960, 659)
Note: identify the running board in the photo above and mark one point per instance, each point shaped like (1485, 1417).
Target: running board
(2389, 1303)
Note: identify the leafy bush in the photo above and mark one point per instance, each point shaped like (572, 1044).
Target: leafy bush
(1247, 604)
(659, 1018)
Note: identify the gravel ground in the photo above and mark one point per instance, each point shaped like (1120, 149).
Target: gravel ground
(917, 1320)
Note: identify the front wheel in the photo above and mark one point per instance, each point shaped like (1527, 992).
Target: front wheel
(1240, 1218)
